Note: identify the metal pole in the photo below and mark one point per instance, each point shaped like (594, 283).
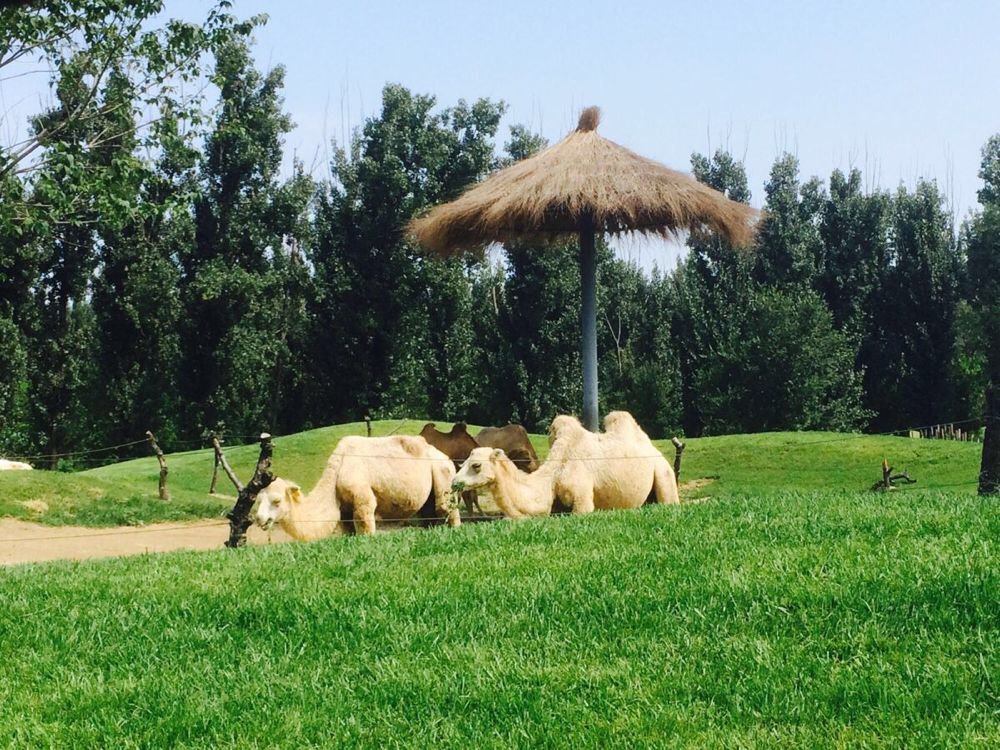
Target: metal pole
(588, 319)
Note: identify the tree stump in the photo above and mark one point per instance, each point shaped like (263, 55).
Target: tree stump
(888, 480)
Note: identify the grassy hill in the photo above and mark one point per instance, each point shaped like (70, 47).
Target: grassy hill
(792, 609)
(125, 493)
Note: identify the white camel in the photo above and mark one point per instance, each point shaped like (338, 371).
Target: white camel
(387, 478)
(7, 465)
(584, 471)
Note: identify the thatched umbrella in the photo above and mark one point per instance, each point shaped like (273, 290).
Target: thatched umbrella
(580, 186)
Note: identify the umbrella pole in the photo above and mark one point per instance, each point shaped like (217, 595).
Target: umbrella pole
(588, 318)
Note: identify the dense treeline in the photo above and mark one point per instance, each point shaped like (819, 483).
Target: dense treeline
(170, 277)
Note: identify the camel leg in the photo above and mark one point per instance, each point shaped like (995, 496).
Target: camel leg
(578, 493)
(446, 507)
(471, 503)
(441, 477)
(665, 483)
(364, 504)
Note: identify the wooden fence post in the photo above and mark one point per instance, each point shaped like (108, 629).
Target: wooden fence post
(215, 468)
(989, 467)
(164, 494)
(678, 452)
(239, 516)
(368, 425)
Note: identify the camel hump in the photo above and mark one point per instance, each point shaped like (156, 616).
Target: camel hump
(620, 420)
(564, 425)
(415, 446)
(428, 428)
(623, 424)
(459, 428)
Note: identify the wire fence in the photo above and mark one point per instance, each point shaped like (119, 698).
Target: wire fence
(243, 440)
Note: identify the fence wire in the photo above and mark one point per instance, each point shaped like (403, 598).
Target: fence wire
(252, 439)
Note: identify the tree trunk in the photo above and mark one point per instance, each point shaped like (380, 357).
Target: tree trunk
(989, 470)
(588, 321)
(239, 516)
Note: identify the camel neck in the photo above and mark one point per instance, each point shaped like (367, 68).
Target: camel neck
(519, 495)
(314, 517)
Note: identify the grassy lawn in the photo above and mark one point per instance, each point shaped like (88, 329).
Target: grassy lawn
(125, 493)
(791, 618)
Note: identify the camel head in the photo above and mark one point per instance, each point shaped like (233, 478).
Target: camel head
(275, 501)
(479, 469)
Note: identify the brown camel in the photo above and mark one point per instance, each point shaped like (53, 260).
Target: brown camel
(458, 444)
(513, 440)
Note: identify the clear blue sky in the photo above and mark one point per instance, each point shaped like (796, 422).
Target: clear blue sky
(898, 89)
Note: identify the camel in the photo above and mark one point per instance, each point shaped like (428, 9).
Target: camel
(384, 478)
(585, 471)
(6, 465)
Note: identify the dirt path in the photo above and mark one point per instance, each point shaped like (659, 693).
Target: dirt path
(23, 541)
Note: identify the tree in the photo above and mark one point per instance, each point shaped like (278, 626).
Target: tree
(981, 239)
(375, 350)
(854, 231)
(779, 364)
(232, 271)
(84, 161)
(788, 240)
(639, 364)
(910, 350)
(711, 286)
(84, 43)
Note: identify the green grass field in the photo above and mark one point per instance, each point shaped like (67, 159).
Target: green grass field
(790, 609)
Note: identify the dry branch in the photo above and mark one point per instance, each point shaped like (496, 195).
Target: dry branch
(239, 516)
(220, 459)
(889, 480)
(164, 494)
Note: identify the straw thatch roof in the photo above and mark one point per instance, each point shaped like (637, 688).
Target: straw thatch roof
(583, 181)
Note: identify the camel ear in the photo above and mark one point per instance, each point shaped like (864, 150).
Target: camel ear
(497, 454)
(293, 494)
